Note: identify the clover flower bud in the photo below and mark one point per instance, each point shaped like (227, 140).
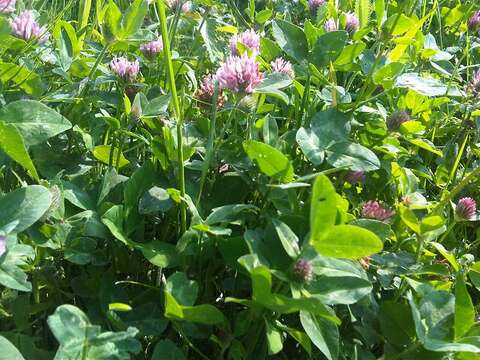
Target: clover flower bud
(303, 271)
(330, 25)
(352, 23)
(152, 48)
(124, 69)
(474, 22)
(396, 119)
(282, 66)
(374, 210)
(466, 208)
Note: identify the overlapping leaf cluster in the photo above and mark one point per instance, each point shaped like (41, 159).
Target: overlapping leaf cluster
(239, 179)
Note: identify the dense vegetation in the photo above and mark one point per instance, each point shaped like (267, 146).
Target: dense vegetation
(239, 179)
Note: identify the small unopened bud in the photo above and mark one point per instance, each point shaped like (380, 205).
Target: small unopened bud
(365, 262)
(206, 91)
(223, 168)
(303, 271)
(131, 91)
(474, 85)
(247, 103)
(136, 111)
(355, 177)
(315, 4)
(330, 25)
(407, 200)
(397, 119)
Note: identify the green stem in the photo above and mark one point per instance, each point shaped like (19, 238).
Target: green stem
(421, 241)
(83, 15)
(449, 229)
(237, 14)
(473, 245)
(187, 340)
(176, 107)
(413, 347)
(85, 346)
(98, 61)
(306, 92)
(119, 151)
(173, 26)
(112, 148)
(459, 157)
(211, 139)
(90, 74)
(376, 62)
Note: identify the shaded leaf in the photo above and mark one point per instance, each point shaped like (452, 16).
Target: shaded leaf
(291, 39)
(11, 143)
(270, 160)
(348, 242)
(35, 121)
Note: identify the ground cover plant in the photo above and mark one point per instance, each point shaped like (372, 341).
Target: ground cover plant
(239, 179)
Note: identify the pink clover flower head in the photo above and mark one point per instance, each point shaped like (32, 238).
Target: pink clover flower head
(7, 6)
(24, 26)
(330, 25)
(239, 74)
(466, 208)
(248, 38)
(315, 4)
(303, 271)
(124, 69)
(352, 23)
(374, 210)
(282, 66)
(474, 22)
(152, 48)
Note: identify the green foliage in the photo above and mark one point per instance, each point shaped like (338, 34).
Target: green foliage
(79, 338)
(328, 47)
(9, 351)
(12, 144)
(288, 192)
(291, 39)
(35, 121)
(270, 160)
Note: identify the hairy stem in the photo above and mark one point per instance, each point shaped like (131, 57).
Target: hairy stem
(176, 108)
